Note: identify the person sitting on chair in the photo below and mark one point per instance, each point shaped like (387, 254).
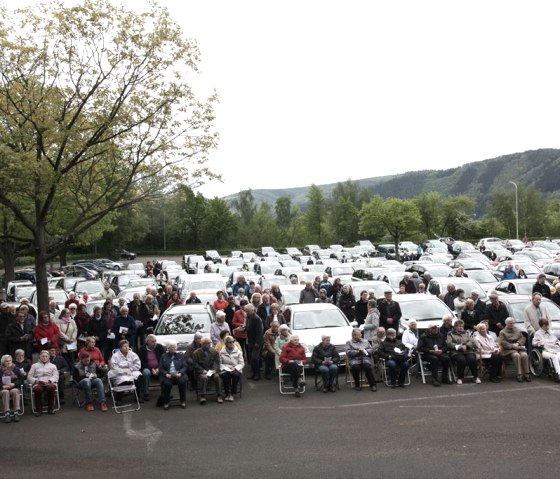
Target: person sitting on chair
(293, 359)
(173, 371)
(410, 337)
(94, 352)
(393, 351)
(359, 355)
(43, 377)
(87, 374)
(434, 350)
(10, 388)
(325, 358)
(462, 351)
(206, 365)
(543, 338)
(281, 340)
(489, 352)
(150, 355)
(21, 361)
(512, 344)
(125, 369)
(63, 367)
(269, 348)
(231, 367)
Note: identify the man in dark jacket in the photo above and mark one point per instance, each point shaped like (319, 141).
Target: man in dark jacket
(389, 312)
(393, 351)
(496, 313)
(255, 339)
(150, 355)
(207, 366)
(434, 350)
(541, 287)
(173, 371)
(125, 327)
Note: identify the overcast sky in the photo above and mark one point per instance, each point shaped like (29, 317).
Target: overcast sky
(322, 91)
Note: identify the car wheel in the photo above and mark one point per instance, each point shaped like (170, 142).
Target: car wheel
(117, 268)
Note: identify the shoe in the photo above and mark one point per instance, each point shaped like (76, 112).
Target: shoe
(445, 380)
(459, 381)
(373, 389)
(38, 413)
(357, 388)
(519, 379)
(50, 411)
(90, 407)
(477, 381)
(166, 407)
(527, 378)
(435, 382)
(230, 398)
(401, 385)
(7, 418)
(325, 390)
(202, 401)
(302, 384)
(297, 394)
(16, 417)
(104, 407)
(220, 400)
(332, 389)
(250, 378)
(183, 404)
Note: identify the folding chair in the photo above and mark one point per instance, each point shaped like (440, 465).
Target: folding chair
(318, 380)
(350, 379)
(121, 389)
(21, 410)
(385, 373)
(423, 369)
(45, 405)
(285, 381)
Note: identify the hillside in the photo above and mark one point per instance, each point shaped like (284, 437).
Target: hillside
(537, 168)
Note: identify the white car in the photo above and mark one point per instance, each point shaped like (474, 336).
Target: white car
(311, 321)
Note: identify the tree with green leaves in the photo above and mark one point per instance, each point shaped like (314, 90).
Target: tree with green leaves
(245, 206)
(219, 226)
(95, 115)
(397, 217)
(316, 213)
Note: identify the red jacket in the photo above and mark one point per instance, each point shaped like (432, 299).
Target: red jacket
(95, 354)
(238, 321)
(292, 353)
(51, 332)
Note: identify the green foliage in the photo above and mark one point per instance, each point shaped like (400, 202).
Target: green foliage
(316, 214)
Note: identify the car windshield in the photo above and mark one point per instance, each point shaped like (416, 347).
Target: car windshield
(331, 318)
(423, 310)
(342, 270)
(267, 268)
(481, 275)
(291, 296)
(524, 288)
(211, 284)
(59, 295)
(439, 270)
(183, 323)
(91, 287)
(279, 280)
(24, 292)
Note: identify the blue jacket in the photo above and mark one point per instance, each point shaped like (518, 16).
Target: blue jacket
(165, 364)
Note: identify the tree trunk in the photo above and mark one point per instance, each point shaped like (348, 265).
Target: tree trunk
(41, 269)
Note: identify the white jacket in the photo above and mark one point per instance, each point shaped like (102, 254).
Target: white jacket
(124, 368)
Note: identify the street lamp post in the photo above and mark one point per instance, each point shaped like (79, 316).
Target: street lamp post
(516, 211)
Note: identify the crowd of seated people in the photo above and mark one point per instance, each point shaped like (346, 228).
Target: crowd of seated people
(251, 329)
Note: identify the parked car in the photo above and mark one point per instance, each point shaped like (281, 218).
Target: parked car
(118, 283)
(310, 248)
(18, 289)
(438, 286)
(293, 252)
(137, 268)
(467, 264)
(530, 268)
(67, 284)
(179, 323)
(436, 270)
(124, 254)
(111, 264)
(517, 286)
(311, 321)
(93, 287)
(58, 294)
(424, 308)
(486, 278)
(516, 303)
(78, 271)
(212, 255)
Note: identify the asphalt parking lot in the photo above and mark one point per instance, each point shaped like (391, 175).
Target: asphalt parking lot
(488, 430)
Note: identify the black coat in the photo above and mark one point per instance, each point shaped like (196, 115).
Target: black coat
(165, 364)
(386, 311)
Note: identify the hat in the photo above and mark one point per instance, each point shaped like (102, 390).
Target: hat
(391, 331)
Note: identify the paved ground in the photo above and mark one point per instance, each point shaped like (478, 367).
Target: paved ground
(488, 430)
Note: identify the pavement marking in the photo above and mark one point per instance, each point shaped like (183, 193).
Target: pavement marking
(424, 398)
(151, 434)
(435, 405)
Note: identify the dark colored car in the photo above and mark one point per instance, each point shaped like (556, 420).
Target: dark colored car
(124, 254)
